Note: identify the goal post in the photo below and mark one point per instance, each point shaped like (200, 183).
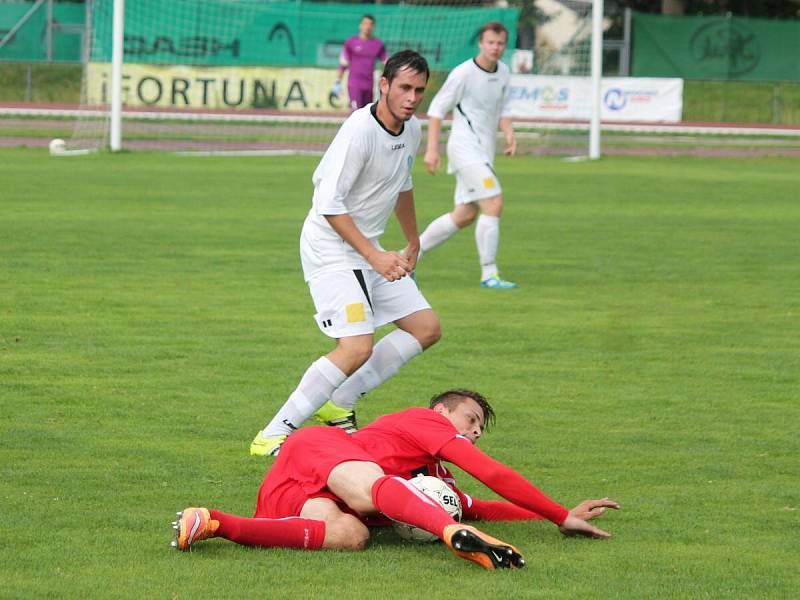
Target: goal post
(117, 52)
(597, 78)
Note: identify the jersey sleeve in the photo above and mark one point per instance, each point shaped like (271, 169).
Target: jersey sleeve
(382, 55)
(502, 479)
(449, 95)
(408, 184)
(474, 509)
(339, 176)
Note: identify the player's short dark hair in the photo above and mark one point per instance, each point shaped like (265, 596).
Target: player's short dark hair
(454, 397)
(405, 59)
(370, 17)
(495, 26)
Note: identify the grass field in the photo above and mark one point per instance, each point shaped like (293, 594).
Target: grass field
(153, 316)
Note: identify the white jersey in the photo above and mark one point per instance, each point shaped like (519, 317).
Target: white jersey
(362, 172)
(477, 99)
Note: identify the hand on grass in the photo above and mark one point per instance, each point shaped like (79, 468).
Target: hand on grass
(574, 526)
(589, 509)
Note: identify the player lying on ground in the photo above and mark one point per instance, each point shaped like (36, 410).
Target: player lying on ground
(325, 484)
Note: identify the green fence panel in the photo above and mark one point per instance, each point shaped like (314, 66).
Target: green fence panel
(249, 32)
(716, 48)
(30, 42)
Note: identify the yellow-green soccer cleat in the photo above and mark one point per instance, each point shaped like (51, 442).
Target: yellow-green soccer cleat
(266, 446)
(193, 525)
(330, 414)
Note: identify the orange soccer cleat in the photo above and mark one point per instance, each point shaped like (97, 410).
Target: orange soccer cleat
(490, 553)
(193, 525)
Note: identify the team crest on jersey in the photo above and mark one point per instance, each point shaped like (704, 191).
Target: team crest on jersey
(488, 183)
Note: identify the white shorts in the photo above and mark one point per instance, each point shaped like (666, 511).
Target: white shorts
(357, 302)
(476, 182)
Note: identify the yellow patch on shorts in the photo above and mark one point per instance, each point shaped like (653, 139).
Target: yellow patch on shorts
(488, 183)
(355, 312)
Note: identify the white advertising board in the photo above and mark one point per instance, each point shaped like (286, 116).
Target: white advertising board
(642, 99)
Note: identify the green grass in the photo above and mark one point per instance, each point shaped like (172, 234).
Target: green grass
(40, 82)
(153, 316)
(742, 102)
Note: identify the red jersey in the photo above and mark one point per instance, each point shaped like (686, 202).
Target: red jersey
(415, 441)
(406, 443)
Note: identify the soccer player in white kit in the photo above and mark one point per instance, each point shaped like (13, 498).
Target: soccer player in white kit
(356, 285)
(475, 92)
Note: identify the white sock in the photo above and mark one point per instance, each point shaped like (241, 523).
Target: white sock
(437, 232)
(314, 389)
(391, 353)
(487, 237)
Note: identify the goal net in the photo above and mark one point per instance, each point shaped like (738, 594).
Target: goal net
(256, 76)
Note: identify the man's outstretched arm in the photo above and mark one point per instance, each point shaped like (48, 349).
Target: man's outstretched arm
(514, 487)
(475, 509)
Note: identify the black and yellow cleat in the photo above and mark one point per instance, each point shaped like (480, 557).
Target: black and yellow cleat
(330, 414)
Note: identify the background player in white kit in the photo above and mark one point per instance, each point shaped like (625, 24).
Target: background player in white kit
(355, 284)
(475, 92)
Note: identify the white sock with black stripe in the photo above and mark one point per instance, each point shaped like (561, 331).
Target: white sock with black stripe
(316, 386)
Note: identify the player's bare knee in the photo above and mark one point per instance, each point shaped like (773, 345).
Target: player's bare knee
(352, 353)
(463, 218)
(360, 355)
(492, 207)
(425, 327)
(345, 532)
(431, 334)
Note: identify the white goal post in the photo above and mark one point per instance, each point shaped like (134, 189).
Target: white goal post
(597, 77)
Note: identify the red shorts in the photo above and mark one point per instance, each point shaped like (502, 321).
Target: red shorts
(301, 470)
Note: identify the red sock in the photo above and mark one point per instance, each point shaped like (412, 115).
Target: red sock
(292, 532)
(399, 500)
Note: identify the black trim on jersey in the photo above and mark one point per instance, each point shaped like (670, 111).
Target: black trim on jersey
(491, 169)
(360, 276)
(374, 111)
(475, 62)
(463, 114)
